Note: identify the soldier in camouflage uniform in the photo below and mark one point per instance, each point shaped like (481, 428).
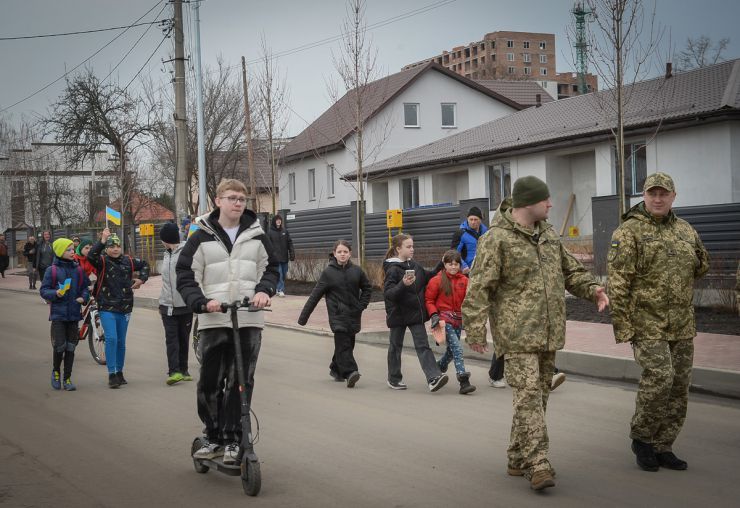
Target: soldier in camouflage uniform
(653, 261)
(518, 281)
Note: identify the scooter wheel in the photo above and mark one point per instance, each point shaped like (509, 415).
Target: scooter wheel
(198, 465)
(251, 477)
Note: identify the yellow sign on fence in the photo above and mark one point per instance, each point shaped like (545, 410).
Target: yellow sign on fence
(146, 229)
(394, 219)
(573, 231)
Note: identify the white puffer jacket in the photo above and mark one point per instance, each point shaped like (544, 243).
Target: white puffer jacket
(211, 268)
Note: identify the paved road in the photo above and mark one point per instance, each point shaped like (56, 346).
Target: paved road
(321, 444)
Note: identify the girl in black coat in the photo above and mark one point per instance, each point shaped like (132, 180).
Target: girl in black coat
(405, 282)
(347, 290)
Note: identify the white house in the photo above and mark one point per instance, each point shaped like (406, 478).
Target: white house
(687, 125)
(39, 187)
(401, 111)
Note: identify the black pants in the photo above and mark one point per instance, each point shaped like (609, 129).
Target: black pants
(218, 387)
(423, 351)
(64, 336)
(177, 339)
(343, 362)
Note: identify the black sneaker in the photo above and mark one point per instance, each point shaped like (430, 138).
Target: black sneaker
(121, 379)
(669, 460)
(113, 381)
(396, 385)
(442, 368)
(352, 379)
(437, 382)
(645, 455)
(335, 376)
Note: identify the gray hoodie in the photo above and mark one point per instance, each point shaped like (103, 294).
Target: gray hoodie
(170, 301)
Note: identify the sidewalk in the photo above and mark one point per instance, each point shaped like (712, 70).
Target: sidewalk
(590, 349)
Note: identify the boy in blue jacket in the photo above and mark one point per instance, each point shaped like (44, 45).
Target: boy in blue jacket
(65, 287)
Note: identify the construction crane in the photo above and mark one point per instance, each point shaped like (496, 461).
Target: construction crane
(582, 14)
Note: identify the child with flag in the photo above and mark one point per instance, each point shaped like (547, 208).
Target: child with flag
(65, 287)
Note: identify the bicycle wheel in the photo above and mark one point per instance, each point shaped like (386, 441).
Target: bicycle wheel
(96, 338)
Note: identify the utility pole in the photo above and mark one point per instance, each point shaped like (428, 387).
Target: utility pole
(248, 137)
(619, 47)
(181, 170)
(202, 197)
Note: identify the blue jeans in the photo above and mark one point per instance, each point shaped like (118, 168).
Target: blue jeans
(115, 325)
(283, 269)
(454, 350)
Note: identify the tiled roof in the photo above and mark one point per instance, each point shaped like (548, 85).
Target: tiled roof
(710, 90)
(337, 122)
(523, 92)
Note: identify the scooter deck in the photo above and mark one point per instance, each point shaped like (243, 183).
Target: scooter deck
(218, 464)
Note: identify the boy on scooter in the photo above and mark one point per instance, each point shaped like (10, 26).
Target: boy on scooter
(228, 258)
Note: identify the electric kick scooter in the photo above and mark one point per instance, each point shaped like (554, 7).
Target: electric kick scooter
(247, 464)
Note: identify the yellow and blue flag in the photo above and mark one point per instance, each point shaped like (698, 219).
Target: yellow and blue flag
(64, 286)
(113, 216)
(193, 228)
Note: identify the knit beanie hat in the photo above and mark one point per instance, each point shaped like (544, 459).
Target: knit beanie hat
(529, 190)
(60, 245)
(112, 240)
(475, 212)
(170, 233)
(83, 242)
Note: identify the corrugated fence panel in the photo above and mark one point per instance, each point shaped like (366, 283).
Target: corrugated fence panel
(319, 229)
(719, 229)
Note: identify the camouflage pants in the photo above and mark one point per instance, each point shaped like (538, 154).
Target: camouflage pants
(530, 376)
(662, 397)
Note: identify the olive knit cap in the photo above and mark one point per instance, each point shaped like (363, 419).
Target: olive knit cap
(529, 190)
(60, 245)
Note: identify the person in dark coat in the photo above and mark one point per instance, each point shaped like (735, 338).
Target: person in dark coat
(282, 247)
(347, 290)
(30, 251)
(65, 311)
(403, 291)
(44, 254)
(465, 239)
(4, 259)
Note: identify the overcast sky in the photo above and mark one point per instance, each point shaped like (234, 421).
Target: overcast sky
(231, 28)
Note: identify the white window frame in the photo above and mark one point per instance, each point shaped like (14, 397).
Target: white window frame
(511, 70)
(418, 114)
(330, 180)
(454, 115)
(509, 57)
(527, 71)
(543, 59)
(543, 71)
(415, 189)
(291, 187)
(526, 44)
(503, 189)
(527, 57)
(312, 184)
(509, 43)
(543, 44)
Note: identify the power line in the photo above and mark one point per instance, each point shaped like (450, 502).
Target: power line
(81, 31)
(80, 64)
(166, 36)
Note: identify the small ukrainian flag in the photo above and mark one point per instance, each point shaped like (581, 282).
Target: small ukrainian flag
(113, 216)
(193, 229)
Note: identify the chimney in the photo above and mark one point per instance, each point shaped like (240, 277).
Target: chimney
(538, 100)
(668, 70)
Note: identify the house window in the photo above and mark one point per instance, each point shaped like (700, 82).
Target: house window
(635, 167)
(493, 44)
(410, 193)
(543, 58)
(102, 189)
(330, 180)
(291, 187)
(543, 45)
(509, 44)
(526, 57)
(467, 52)
(499, 183)
(448, 115)
(543, 71)
(512, 70)
(510, 57)
(526, 44)
(17, 189)
(411, 115)
(17, 202)
(312, 184)
(527, 71)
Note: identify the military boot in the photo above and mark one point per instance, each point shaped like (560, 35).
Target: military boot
(645, 455)
(465, 386)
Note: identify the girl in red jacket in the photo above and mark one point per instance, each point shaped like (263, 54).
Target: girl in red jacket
(444, 297)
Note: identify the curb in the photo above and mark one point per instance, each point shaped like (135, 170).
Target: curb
(706, 380)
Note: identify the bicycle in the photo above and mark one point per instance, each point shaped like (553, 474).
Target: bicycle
(92, 331)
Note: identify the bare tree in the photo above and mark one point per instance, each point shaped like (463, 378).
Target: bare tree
(90, 113)
(700, 52)
(622, 43)
(272, 113)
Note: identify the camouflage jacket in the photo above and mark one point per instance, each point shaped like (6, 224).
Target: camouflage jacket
(518, 281)
(652, 265)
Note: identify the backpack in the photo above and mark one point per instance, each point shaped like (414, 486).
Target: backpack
(101, 275)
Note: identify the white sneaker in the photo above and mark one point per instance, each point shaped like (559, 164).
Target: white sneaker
(208, 451)
(231, 453)
(281, 294)
(557, 380)
(497, 383)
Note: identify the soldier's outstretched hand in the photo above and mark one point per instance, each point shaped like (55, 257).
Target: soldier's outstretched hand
(602, 301)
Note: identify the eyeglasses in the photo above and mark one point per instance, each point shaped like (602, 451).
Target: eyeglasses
(235, 199)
